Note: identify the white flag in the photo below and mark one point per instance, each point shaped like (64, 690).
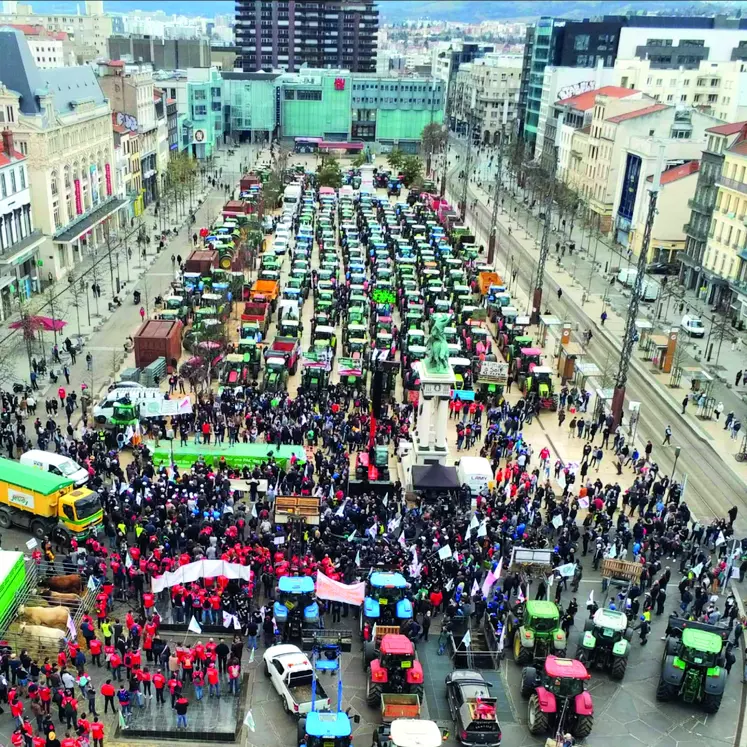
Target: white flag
(445, 552)
(91, 583)
(401, 540)
(194, 626)
(352, 534)
(227, 619)
(483, 530)
(467, 640)
(502, 638)
(499, 569)
(358, 558)
(697, 570)
(254, 510)
(128, 561)
(612, 553)
(249, 720)
(385, 501)
(236, 624)
(590, 600)
(474, 523)
(475, 588)
(720, 539)
(372, 531)
(341, 511)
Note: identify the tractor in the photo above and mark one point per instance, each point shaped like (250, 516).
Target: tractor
(606, 642)
(538, 384)
(558, 700)
(385, 602)
(693, 664)
(392, 668)
(295, 607)
(276, 375)
(533, 629)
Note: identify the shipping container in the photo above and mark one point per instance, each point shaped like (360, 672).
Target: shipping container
(157, 339)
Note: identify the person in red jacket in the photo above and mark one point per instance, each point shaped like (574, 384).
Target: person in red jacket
(116, 664)
(108, 691)
(16, 738)
(198, 680)
(95, 647)
(16, 710)
(149, 602)
(213, 679)
(68, 740)
(97, 733)
(175, 688)
(45, 693)
(159, 682)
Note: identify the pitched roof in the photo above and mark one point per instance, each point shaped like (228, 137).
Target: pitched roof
(29, 30)
(585, 101)
(678, 172)
(739, 149)
(638, 113)
(4, 160)
(731, 128)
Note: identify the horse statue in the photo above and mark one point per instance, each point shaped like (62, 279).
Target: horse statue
(437, 349)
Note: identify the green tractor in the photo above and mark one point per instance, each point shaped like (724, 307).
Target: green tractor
(692, 666)
(276, 375)
(533, 629)
(605, 642)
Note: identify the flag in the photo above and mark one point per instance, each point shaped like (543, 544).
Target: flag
(352, 534)
(467, 640)
(521, 598)
(341, 511)
(71, 627)
(590, 600)
(401, 539)
(502, 638)
(251, 656)
(474, 523)
(499, 569)
(92, 583)
(385, 501)
(371, 531)
(487, 584)
(445, 552)
(697, 570)
(475, 588)
(248, 720)
(358, 558)
(122, 722)
(128, 561)
(254, 510)
(194, 626)
(720, 539)
(483, 530)
(236, 623)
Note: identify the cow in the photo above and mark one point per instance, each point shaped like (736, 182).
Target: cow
(71, 583)
(60, 597)
(42, 633)
(52, 617)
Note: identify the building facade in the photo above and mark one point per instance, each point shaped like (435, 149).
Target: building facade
(486, 96)
(692, 273)
(162, 54)
(61, 122)
(19, 241)
(285, 34)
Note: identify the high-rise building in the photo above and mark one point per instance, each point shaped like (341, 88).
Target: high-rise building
(287, 34)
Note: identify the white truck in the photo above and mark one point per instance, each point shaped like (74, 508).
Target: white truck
(292, 675)
(136, 395)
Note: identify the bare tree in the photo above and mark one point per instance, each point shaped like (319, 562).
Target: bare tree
(96, 275)
(55, 307)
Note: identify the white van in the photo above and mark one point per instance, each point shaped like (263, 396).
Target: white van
(56, 464)
(474, 472)
(693, 325)
(105, 409)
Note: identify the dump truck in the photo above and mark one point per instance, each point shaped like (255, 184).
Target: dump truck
(269, 289)
(288, 349)
(257, 311)
(46, 504)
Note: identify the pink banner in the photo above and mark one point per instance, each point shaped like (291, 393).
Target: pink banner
(487, 584)
(327, 588)
(78, 198)
(108, 171)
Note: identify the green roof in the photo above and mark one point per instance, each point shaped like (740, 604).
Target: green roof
(542, 608)
(702, 640)
(31, 478)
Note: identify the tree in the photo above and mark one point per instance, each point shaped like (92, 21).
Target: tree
(395, 158)
(54, 307)
(329, 175)
(433, 140)
(181, 174)
(96, 275)
(360, 160)
(412, 169)
(77, 290)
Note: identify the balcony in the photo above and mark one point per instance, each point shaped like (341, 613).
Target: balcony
(699, 207)
(732, 184)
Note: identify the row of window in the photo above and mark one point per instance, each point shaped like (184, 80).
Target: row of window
(11, 186)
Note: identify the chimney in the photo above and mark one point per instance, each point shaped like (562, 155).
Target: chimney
(8, 143)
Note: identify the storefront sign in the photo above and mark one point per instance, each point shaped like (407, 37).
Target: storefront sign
(78, 198)
(108, 171)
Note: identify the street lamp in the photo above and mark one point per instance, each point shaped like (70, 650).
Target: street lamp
(677, 450)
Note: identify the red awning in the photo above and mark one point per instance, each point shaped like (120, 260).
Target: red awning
(332, 145)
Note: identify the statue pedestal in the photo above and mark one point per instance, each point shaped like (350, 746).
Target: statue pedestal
(430, 445)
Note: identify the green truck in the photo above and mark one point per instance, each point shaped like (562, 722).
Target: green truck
(12, 580)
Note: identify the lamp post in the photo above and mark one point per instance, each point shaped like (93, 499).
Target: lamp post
(677, 451)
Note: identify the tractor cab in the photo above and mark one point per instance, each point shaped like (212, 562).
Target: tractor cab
(315, 376)
(393, 667)
(356, 340)
(414, 338)
(533, 628)
(539, 383)
(462, 368)
(295, 606)
(321, 729)
(124, 414)
(386, 599)
(290, 328)
(527, 360)
(324, 336)
(276, 375)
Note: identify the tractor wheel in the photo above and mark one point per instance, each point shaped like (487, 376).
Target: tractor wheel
(619, 665)
(417, 690)
(528, 680)
(526, 656)
(583, 657)
(672, 647)
(588, 625)
(628, 634)
(267, 669)
(583, 726)
(373, 693)
(711, 703)
(665, 691)
(369, 654)
(537, 721)
(510, 630)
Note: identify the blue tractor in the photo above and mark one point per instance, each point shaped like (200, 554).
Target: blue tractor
(386, 602)
(295, 608)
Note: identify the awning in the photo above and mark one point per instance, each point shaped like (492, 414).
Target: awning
(333, 145)
(434, 477)
(19, 252)
(87, 222)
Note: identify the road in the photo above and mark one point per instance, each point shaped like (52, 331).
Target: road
(712, 488)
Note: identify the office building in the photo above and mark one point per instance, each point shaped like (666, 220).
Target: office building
(277, 34)
(61, 121)
(162, 54)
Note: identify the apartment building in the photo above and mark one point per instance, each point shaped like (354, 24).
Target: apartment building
(48, 48)
(725, 259)
(719, 140)
(486, 94)
(277, 34)
(128, 179)
(715, 88)
(19, 241)
(61, 122)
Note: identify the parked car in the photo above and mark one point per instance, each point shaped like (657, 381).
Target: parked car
(663, 268)
(693, 325)
(472, 708)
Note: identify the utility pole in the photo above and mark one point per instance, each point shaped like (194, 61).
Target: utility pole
(618, 398)
(536, 309)
(467, 167)
(497, 190)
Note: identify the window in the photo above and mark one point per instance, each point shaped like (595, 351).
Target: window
(12, 181)
(22, 172)
(3, 188)
(215, 92)
(683, 97)
(701, 82)
(670, 97)
(581, 43)
(199, 110)
(290, 94)
(303, 95)
(216, 107)
(199, 95)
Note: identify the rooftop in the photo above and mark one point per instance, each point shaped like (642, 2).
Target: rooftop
(678, 172)
(4, 160)
(739, 149)
(29, 30)
(585, 101)
(639, 113)
(731, 128)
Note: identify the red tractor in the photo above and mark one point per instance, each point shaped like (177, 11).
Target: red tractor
(393, 669)
(557, 697)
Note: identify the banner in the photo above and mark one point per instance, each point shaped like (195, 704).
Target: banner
(200, 569)
(487, 584)
(327, 588)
